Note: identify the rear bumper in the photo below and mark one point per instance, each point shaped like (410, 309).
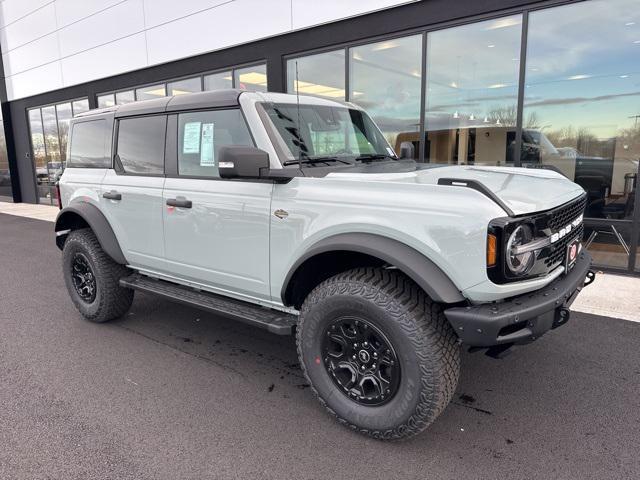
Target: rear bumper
(524, 318)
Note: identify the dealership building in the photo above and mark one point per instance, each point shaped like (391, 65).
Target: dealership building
(545, 84)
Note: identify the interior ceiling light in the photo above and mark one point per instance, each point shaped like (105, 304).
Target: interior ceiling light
(491, 45)
(254, 78)
(498, 85)
(624, 76)
(637, 42)
(472, 117)
(157, 92)
(455, 115)
(175, 91)
(317, 89)
(503, 23)
(384, 46)
(578, 77)
(629, 24)
(453, 85)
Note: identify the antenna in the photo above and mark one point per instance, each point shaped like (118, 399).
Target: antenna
(299, 129)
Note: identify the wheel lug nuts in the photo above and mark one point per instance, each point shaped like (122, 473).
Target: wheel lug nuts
(355, 345)
(363, 367)
(365, 344)
(354, 357)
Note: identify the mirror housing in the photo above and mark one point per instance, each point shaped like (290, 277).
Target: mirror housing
(242, 162)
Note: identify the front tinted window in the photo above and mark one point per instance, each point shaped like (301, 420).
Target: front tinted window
(200, 136)
(89, 145)
(141, 144)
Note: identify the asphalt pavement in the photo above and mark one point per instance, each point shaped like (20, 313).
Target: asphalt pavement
(170, 392)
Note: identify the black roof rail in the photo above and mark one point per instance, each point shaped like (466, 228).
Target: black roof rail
(477, 186)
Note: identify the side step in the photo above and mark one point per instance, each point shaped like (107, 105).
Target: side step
(276, 322)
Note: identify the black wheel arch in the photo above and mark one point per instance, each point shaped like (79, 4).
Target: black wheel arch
(86, 215)
(342, 252)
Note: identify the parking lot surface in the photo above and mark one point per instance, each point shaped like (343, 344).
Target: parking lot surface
(171, 392)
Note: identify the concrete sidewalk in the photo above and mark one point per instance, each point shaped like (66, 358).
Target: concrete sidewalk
(610, 295)
(40, 212)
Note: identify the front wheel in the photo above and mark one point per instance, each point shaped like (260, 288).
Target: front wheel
(378, 353)
(92, 278)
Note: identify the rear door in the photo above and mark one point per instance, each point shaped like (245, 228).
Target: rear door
(132, 191)
(216, 231)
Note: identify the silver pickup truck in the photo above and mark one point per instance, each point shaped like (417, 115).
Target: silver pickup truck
(294, 214)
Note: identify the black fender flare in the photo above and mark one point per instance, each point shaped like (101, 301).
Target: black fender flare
(412, 263)
(92, 216)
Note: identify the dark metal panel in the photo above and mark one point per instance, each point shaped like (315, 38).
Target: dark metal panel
(522, 75)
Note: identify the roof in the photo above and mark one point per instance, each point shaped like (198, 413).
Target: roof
(210, 99)
(201, 100)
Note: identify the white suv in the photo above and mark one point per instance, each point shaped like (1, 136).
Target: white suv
(294, 214)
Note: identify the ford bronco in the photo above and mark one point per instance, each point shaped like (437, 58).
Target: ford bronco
(294, 214)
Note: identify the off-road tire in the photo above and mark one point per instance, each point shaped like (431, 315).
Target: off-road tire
(423, 339)
(111, 300)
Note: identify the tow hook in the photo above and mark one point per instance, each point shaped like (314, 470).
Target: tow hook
(591, 276)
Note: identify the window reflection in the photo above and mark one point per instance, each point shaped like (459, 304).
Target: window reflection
(218, 81)
(64, 115)
(127, 96)
(472, 92)
(251, 78)
(80, 106)
(151, 92)
(106, 100)
(385, 80)
(321, 74)
(188, 85)
(582, 102)
(5, 176)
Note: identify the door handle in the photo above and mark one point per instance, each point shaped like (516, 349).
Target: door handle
(179, 202)
(112, 195)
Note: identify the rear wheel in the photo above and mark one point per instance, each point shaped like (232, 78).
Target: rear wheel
(92, 278)
(378, 353)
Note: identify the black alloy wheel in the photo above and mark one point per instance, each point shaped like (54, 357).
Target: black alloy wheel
(84, 280)
(361, 361)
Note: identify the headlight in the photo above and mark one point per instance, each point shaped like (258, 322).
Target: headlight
(521, 263)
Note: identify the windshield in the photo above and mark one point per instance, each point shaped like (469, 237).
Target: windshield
(340, 133)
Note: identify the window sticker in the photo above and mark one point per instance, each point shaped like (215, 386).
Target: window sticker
(191, 139)
(206, 155)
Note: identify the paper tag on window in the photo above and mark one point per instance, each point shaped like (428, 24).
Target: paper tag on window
(191, 142)
(206, 154)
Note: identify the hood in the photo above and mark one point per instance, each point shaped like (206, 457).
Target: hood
(523, 190)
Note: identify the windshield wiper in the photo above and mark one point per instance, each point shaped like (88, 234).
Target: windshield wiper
(314, 160)
(375, 156)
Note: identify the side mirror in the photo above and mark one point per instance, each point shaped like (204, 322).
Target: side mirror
(407, 150)
(242, 162)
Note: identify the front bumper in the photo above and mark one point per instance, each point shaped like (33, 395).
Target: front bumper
(524, 318)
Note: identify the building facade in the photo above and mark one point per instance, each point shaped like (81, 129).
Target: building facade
(545, 84)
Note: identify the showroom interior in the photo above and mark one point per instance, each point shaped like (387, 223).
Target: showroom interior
(551, 84)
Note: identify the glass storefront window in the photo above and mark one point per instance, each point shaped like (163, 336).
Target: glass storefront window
(188, 85)
(582, 101)
(80, 106)
(38, 154)
(385, 80)
(251, 78)
(64, 115)
(5, 175)
(472, 93)
(150, 92)
(321, 74)
(106, 100)
(218, 81)
(127, 96)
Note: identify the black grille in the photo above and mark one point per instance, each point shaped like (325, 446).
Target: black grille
(558, 250)
(563, 216)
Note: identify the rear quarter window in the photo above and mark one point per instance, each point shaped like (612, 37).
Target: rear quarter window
(89, 146)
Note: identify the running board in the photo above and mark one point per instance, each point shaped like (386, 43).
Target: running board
(276, 322)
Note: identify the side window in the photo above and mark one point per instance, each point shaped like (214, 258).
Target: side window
(141, 144)
(200, 136)
(90, 144)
